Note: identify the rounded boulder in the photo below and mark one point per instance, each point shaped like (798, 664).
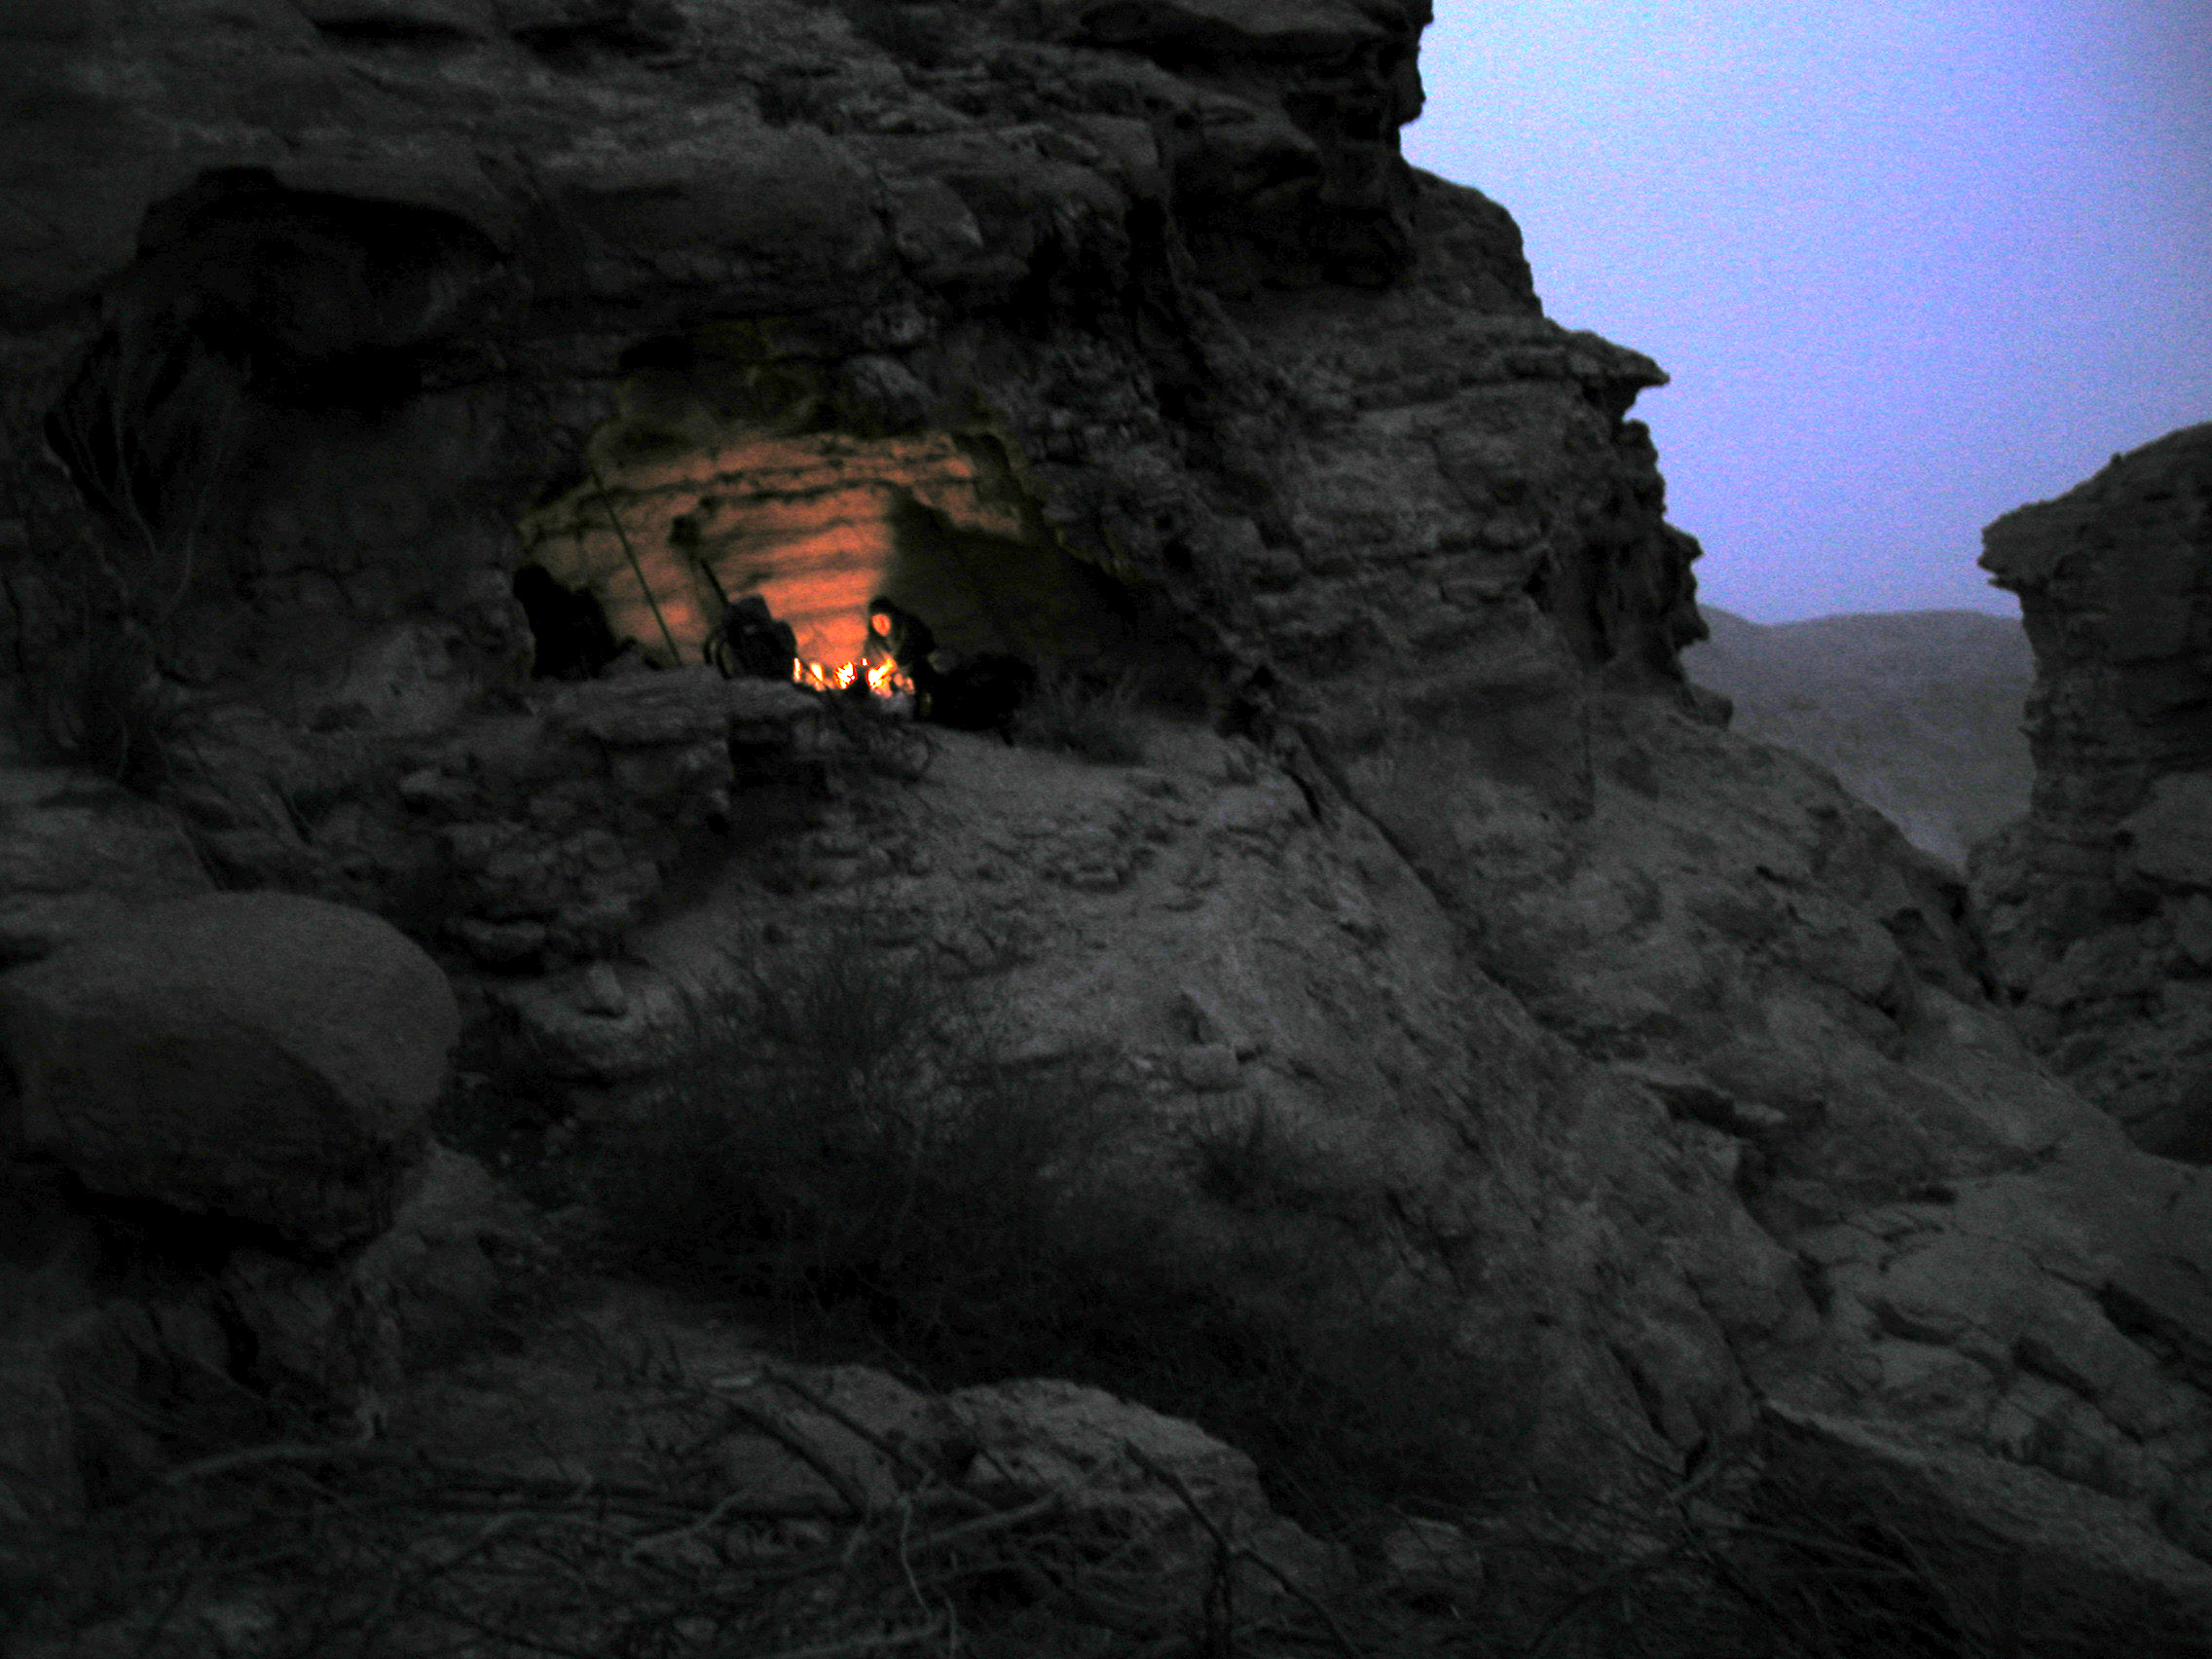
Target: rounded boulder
(260, 1057)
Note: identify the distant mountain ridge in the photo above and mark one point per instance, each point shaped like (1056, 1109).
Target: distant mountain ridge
(1917, 711)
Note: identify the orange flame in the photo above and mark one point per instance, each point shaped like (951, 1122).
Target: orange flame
(883, 678)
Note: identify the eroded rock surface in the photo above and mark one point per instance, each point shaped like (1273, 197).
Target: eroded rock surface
(1797, 1154)
(130, 1340)
(1657, 1062)
(255, 1057)
(2026, 1561)
(2098, 907)
(77, 850)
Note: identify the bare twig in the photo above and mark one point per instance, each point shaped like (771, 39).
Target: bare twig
(456, 1478)
(890, 1448)
(263, 1456)
(184, 1588)
(730, 1507)
(532, 1641)
(1625, 1574)
(803, 1449)
(1177, 1484)
(989, 1525)
(1221, 1581)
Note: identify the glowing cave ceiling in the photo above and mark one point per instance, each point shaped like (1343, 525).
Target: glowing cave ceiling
(817, 525)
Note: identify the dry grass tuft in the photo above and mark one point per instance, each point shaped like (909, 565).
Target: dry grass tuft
(1101, 721)
(141, 439)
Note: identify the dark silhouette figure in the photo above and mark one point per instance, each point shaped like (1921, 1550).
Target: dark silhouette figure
(750, 643)
(905, 636)
(983, 692)
(573, 640)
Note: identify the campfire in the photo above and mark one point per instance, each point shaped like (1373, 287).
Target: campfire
(883, 678)
(879, 670)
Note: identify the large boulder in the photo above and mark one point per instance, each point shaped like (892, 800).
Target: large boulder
(117, 1365)
(257, 1056)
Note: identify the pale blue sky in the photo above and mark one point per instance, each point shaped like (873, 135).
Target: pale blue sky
(1910, 264)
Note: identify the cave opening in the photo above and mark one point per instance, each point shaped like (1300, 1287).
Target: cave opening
(911, 564)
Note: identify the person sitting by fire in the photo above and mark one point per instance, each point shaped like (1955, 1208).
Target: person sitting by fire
(981, 692)
(749, 643)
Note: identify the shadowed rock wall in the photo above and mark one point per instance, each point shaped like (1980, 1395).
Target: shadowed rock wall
(328, 298)
(344, 298)
(2098, 907)
(318, 302)
(339, 297)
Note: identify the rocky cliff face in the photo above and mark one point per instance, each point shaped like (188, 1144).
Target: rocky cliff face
(345, 293)
(1657, 1062)
(2098, 909)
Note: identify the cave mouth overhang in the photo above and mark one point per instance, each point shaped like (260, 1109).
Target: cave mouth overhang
(686, 511)
(285, 420)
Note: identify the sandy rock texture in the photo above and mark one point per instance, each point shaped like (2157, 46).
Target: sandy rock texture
(1734, 934)
(1223, 947)
(1687, 1127)
(1655, 1067)
(78, 849)
(263, 1058)
(133, 1341)
(1918, 713)
(2098, 907)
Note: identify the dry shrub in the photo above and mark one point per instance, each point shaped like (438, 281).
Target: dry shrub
(1099, 721)
(852, 1141)
(142, 439)
(304, 1550)
(849, 1130)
